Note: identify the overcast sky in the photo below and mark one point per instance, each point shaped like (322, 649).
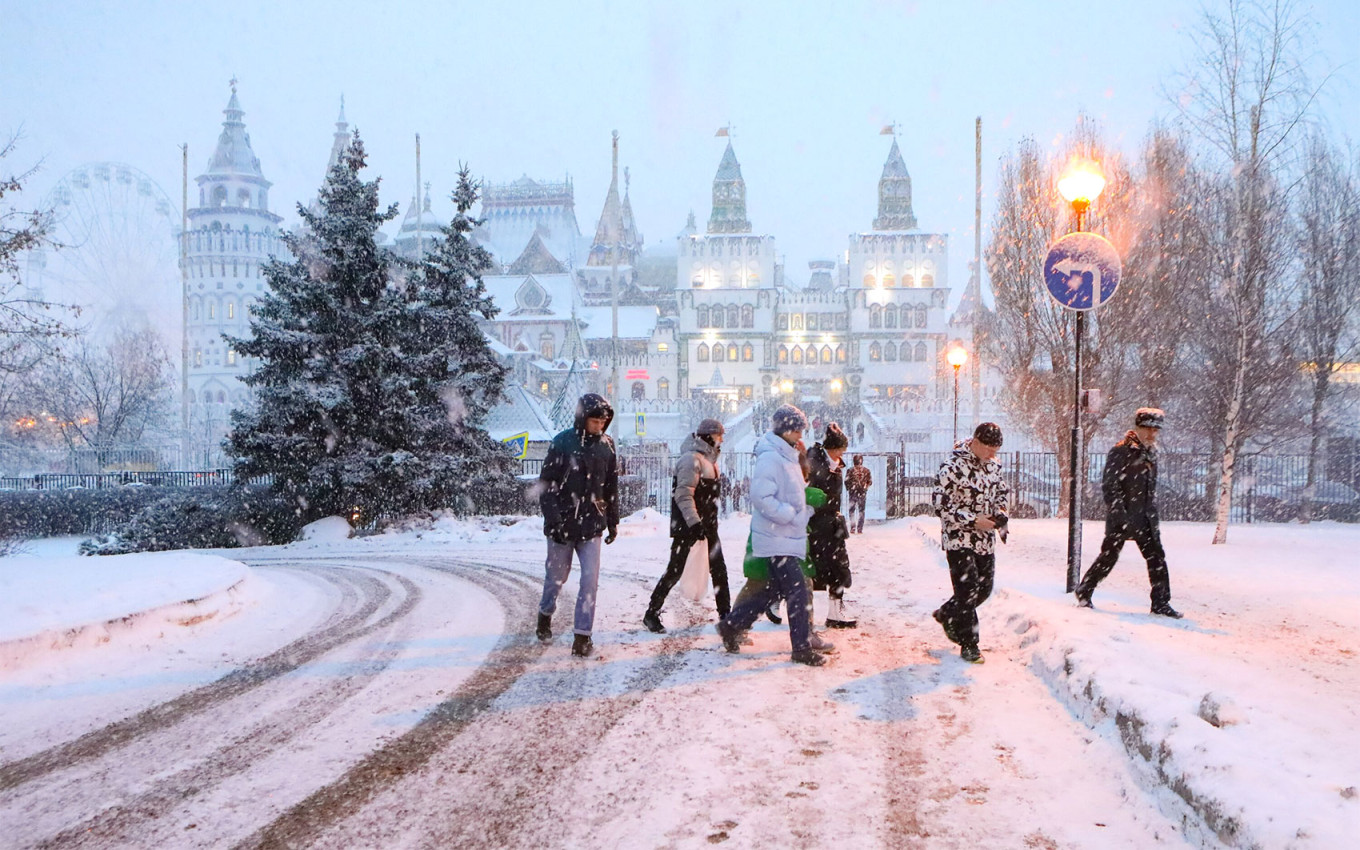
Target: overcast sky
(535, 88)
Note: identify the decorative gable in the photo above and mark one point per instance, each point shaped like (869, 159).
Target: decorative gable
(531, 297)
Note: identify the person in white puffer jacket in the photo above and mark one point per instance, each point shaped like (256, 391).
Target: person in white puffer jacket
(779, 517)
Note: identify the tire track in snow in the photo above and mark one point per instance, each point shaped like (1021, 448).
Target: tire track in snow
(500, 777)
(369, 593)
(129, 820)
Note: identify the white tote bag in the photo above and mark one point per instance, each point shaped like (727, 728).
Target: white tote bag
(694, 580)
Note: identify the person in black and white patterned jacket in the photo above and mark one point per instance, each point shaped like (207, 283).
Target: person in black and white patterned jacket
(970, 499)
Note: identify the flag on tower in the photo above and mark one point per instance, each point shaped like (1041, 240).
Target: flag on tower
(723, 131)
(888, 130)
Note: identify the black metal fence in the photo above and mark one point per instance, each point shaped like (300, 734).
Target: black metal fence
(100, 481)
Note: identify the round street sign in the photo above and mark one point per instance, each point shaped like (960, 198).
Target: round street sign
(1082, 271)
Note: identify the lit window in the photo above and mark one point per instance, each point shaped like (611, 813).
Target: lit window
(231, 309)
(231, 357)
(701, 353)
(662, 348)
(875, 352)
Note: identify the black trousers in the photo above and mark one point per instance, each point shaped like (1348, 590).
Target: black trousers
(717, 569)
(972, 574)
(857, 501)
(1149, 540)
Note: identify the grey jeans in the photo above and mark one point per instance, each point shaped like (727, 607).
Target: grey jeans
(558, 568)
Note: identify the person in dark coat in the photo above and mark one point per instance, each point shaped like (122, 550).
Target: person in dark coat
(694, 517)
(579, 496)
(827, 530)
(1129, 486)
(970, 499)
(858, 480)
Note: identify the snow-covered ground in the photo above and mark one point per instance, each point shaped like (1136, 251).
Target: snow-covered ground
(386, 691)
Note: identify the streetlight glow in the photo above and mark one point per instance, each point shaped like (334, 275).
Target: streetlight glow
(1083, 182)
(957, 356)
(786, 385)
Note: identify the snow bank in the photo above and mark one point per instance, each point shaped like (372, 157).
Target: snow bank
(59, 603)
(329, 530)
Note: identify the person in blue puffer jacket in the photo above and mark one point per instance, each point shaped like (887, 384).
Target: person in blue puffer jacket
(779, 518)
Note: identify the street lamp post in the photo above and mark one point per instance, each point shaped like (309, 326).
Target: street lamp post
(957, 356)
(1082, 185)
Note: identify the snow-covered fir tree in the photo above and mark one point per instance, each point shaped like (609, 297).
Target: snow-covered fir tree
(369, 394)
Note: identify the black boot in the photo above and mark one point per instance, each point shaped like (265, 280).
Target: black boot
(1165, 610)
(652, 620)
(545, 627)
(582, 647)
(808, 656)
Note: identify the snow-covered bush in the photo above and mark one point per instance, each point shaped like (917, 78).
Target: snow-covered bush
(36, 514)
(203, 518)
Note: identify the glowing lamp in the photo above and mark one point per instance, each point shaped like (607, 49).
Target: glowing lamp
(957, 356)
(1082, 184)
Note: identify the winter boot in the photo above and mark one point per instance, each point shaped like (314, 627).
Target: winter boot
(652, 620)
(1165, 610)
(1085, 602)
(837, 617)
(545, 627)
(809, 656)
(582, 647)
(971, 654)
(819, 643)
(731, 638)
(772, 613)
(938, 614)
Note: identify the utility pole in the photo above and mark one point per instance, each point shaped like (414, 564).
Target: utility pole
(420, 231)
(614, 283)
(977, 279)
(184, 305)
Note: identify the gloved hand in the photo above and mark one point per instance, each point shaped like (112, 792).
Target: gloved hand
(815, 496)
(1002, 529)
(557, 534)
(611, 536)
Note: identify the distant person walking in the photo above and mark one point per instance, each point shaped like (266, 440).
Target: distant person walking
(694, 517)
(580, 501)
(779, 518)
(827, 531)
(1129, 485)
(858, 480)
(970, 499)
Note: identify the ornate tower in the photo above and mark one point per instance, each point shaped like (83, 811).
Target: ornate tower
(231, 234)
(894, 194)
(729, 197)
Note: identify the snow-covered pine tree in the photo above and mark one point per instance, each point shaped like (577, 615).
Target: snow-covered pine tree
(325, 421)
(450, 374)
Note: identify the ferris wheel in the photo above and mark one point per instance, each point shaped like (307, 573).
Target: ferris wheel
(114, 252)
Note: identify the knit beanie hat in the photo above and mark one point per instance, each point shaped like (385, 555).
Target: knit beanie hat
(989, 434)
(787, 418)
(1149, 417)
(709, 427)
(835, 438)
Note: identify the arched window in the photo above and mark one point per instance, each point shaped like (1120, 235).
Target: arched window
(546, 346)
(748, 316)
(231, 357)
(701, 318)
(219, 196)
(663, 388)
(733, 316)
(812, 355)
(890, 316)
(868, 281)
(783, 356)
(782, 323)
(921, 316)
(840, 354)
(890, 352)
(748, 352)
(195, 307)
(719, 353)
(889, 282)
(715, 319)
(826, 354)
(875, 352)
(212, 309)
(927, 281)
(732, 352)
(797, 323)
(921, 352)
(908, 280)
(812, 321)
(875, 316)
(797, 355)
(221, 396)
(231, 309)
(639, 390)
(701, 353)
(243, 198)
(198, 359)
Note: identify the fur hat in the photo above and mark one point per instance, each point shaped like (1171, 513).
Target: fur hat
(989, 434)
(709, 427)
(835, 438)
(1149, 417)
(787, 418)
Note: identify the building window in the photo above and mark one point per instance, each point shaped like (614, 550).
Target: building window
(797, 355)
(783, 355)
(842, 322)
(921, 316)
(715, 319)
(662, 348)
(639, 390)
(812, 321)
(748, 316)
(927, 281)
(890, 316)
(890, 352)
(868, 281)
(908, 280)
(826, 354)
(198, 357)
(875, 317)
(748, 352)
(663, 388)
(733, 316)
(231, 357)
(875, 352)
(719, 353)
(889, 282)
(797, 322)
(543, 387)
(702, 318)
(732, 352)
(840, 354)
(212, 309)
(546, 348)
(921, 352)
(231, 309)
(782, 323)
(812, 355)
(701, 353)
(194, 309)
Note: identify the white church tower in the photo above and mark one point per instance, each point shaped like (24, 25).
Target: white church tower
(231, 234)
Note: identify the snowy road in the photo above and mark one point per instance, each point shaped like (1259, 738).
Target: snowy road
(388, 693)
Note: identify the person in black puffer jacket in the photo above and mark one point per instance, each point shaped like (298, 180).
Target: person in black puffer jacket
(579, 496)
(827, 531)
(695, 492)
(1129, 486)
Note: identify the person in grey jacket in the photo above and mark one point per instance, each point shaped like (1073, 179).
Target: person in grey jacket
(779, 519)
(694, 517)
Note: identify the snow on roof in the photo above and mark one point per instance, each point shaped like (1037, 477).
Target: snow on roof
(634, 322)
(559, 289)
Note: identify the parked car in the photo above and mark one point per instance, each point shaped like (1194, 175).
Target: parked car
(1331, 500)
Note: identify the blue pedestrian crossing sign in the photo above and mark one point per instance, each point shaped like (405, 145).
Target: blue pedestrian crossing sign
(519, 444)
(640, 427)
(1082, 271)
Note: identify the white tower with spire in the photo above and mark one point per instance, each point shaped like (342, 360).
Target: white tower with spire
(231, 235)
